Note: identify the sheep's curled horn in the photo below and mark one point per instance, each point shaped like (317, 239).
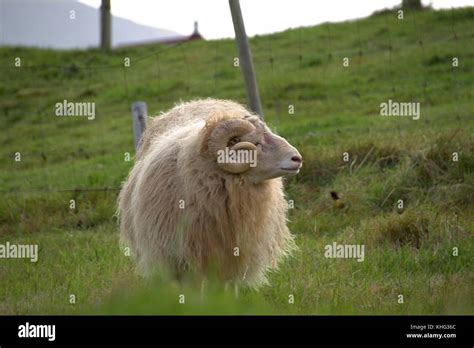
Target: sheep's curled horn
(223, 133)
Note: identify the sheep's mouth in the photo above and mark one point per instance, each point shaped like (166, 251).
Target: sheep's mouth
(291, 170)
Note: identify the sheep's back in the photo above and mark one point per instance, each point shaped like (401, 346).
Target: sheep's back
(183, 115)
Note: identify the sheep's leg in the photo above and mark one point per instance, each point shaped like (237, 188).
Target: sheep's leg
(236, 290)
(203, 288)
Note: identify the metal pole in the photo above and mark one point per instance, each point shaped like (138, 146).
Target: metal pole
(245, 57)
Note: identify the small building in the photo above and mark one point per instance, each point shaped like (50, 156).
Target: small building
(171, 40)
(195, 35)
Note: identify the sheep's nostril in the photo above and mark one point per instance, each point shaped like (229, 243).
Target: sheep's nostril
(296, 158)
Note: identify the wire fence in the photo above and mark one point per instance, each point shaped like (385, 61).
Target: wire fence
(269, 58)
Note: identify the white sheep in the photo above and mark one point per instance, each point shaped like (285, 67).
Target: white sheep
(186, 206)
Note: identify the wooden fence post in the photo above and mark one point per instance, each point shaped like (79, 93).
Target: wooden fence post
(245, 57)
(105, 26)
(139, 116)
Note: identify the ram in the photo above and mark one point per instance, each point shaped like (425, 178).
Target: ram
(206, 193)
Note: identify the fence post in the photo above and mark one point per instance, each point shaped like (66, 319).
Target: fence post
(245, 57)
(105, 26)
(139, 116)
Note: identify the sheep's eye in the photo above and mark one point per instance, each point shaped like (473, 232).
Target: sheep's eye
(233, 141)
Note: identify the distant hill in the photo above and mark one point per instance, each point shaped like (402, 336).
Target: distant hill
(48, 23)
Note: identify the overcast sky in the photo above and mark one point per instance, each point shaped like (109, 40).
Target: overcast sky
(260, 16)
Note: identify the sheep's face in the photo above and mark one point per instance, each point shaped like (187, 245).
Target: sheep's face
(246, 146)
(275, 156)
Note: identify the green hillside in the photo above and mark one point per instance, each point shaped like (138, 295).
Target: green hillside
(427, 163)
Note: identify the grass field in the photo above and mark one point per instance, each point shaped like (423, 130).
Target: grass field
(409, 251)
